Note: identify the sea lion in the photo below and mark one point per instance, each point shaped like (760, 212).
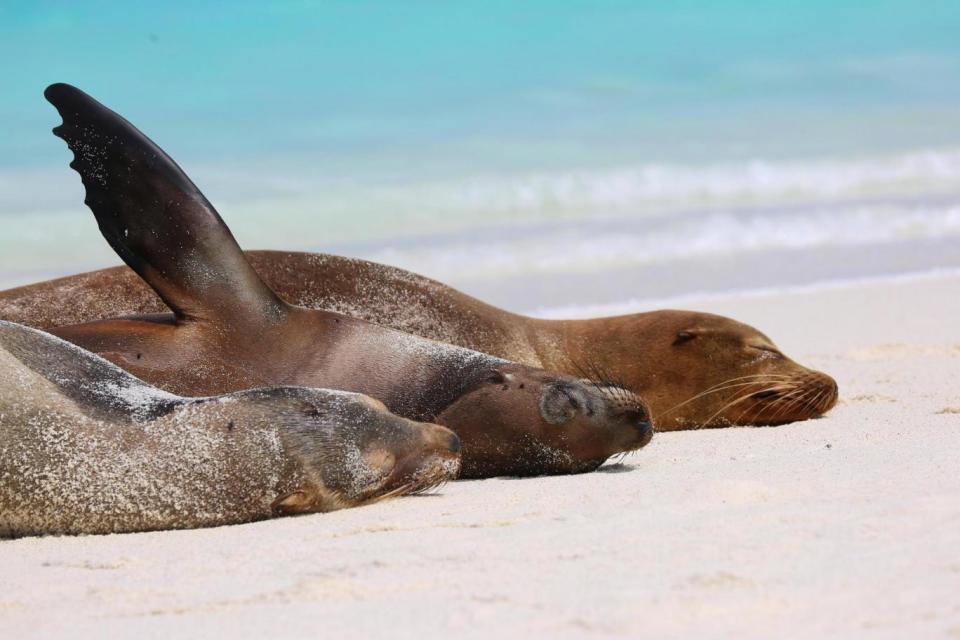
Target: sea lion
(88, 448)
(230, 331)
(693, 369)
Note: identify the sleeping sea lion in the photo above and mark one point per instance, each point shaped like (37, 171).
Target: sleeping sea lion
(88, 448)
(229, 331)
(693, 369)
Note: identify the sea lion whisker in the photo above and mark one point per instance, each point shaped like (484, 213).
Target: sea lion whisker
(585, 369)
(756, 403)
(602, 379)
(698, 396)
(783, 403)
(727, 406)
(823, 400)
(798, 401)
(715, 389)
(753, 378)
(750, 394)
(791, 400)
(815, 402)
(759, 400)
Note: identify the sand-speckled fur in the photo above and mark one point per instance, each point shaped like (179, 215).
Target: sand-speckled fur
(88, 448)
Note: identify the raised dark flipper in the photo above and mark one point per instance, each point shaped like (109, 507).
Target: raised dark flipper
(155, 218)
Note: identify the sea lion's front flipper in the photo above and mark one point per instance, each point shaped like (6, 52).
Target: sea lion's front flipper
(155, 218)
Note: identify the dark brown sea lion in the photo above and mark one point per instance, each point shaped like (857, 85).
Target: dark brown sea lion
(230, 331)
(88, 448)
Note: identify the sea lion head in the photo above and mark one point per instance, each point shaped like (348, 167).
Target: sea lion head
(524, 421)
(704, 370)
(352, 449)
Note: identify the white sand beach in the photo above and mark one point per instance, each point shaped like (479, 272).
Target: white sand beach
(847, 526)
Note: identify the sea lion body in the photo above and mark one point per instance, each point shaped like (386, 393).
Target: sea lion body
(642, 351)
(229, 331)
(88, 448)
(511, 419)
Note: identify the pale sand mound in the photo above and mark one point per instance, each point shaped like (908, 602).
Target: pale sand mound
(845, 526)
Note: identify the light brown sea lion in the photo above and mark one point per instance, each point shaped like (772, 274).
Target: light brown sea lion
(87, 448)
(230, 331)
(693, 369)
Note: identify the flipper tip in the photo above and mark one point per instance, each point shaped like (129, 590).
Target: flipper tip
(57, 91)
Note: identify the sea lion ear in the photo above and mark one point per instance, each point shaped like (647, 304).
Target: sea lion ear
(558, 403)
(154, 217)
(292, 503)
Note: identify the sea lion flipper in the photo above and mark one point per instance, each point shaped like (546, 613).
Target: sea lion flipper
(154, 217)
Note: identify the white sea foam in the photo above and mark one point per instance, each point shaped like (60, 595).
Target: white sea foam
(639, 305)
(656, 185)
(624, 243)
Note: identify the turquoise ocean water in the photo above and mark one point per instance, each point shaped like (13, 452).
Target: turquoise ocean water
(539, 154)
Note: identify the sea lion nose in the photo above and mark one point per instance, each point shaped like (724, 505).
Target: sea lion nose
(639, 419)
(634, 415)
(646, 430)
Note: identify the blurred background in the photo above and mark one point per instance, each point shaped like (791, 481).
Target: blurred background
(557, 157)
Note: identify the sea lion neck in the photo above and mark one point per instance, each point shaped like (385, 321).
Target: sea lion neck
(583, 347)
(467, 368)
(600, 349)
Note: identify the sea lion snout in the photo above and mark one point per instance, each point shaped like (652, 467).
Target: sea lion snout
(441, 440)
(788, 393)
(638, 419)
(628, 410)
(434, 461)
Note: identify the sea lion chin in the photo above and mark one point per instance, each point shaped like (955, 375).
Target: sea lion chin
(88, 448)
